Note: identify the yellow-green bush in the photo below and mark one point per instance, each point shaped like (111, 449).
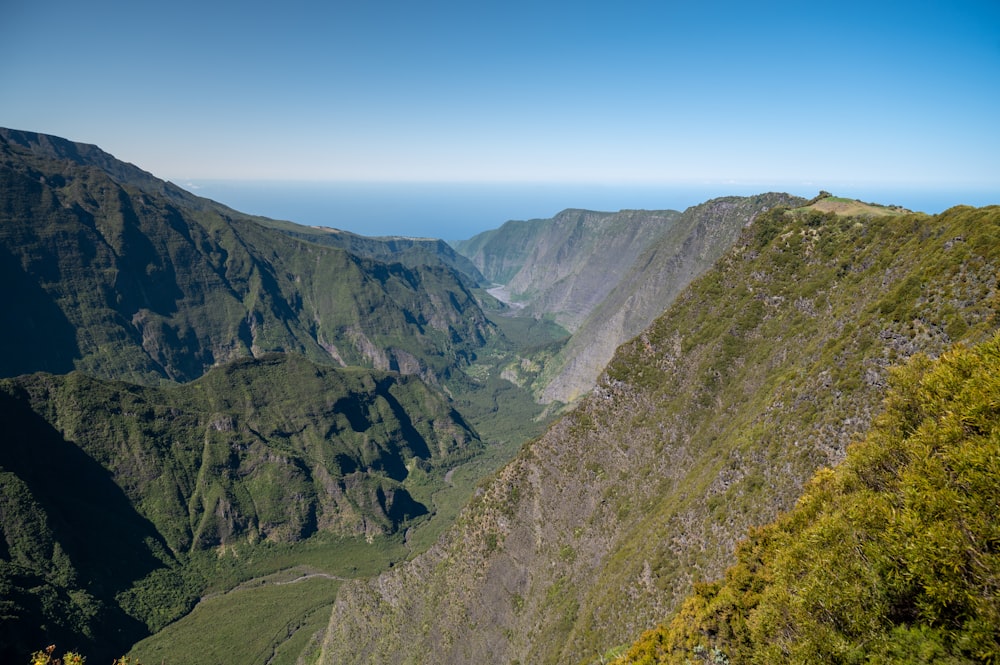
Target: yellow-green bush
(892, 557)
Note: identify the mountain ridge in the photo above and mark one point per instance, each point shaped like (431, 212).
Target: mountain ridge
(562, 267)
(133, 283)
(318, 438)
(695, 240)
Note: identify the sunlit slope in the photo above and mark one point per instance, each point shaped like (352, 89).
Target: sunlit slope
(890, 557)
(707, 423)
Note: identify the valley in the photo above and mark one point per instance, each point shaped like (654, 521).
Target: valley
(241, 440)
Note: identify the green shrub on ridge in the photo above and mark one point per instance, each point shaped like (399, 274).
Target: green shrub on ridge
(892, 557)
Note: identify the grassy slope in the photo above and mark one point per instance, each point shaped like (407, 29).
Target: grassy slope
(890, 557)
(704, 425)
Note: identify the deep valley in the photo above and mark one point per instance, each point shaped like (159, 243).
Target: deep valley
(233, 439)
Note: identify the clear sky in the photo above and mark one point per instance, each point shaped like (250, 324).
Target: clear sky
(824, 93)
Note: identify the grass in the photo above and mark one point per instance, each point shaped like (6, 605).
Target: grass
(272, 622)
(265, 603)
(846, 207)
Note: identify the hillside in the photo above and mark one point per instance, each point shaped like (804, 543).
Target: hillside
(890, 557)
(224, 397)
(411, 252)
(116, 273)
(604, 276)
(271, 450)
(707, 423)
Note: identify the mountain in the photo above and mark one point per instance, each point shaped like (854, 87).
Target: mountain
(108, 485)
(411, 252)
(605, 276)
(247, 440)
(707, 423)
(119, 274)
(689, 247)
(564, 266)
(195, 395)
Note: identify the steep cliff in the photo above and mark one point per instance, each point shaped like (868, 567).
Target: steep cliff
(564, 266)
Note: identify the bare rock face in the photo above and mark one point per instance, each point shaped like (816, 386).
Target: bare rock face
(564, 266)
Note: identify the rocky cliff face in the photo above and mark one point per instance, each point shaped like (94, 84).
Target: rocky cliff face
(704, 424)
(606, 276)
(563, 267)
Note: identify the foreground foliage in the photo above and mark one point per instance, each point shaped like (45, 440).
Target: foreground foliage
(892, 557)
(47, 657)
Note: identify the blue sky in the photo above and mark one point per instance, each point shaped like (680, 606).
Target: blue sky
(903, 94)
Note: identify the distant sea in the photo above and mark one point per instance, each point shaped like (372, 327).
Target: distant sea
(456, 211)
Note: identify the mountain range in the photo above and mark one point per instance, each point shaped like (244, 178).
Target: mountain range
(237, 439)
(704, 425)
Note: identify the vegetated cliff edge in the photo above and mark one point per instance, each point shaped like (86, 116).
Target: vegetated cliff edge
(707, 423)
(889, 557)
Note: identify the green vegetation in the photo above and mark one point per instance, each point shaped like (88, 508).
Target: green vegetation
(270, 621)
(306, 411)
(891, 557)
(838, 205)
(706, 424)
(124, 278)
(211, 483)
(270, 455)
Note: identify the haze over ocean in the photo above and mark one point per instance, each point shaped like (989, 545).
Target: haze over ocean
(456, 211)
(848, 96)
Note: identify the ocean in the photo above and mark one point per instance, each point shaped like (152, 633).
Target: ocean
(456, 211)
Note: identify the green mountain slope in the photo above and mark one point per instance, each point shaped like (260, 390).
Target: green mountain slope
(707, 423)
(267, 453)
(109, 486)
(891, 557)
(124, 276)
